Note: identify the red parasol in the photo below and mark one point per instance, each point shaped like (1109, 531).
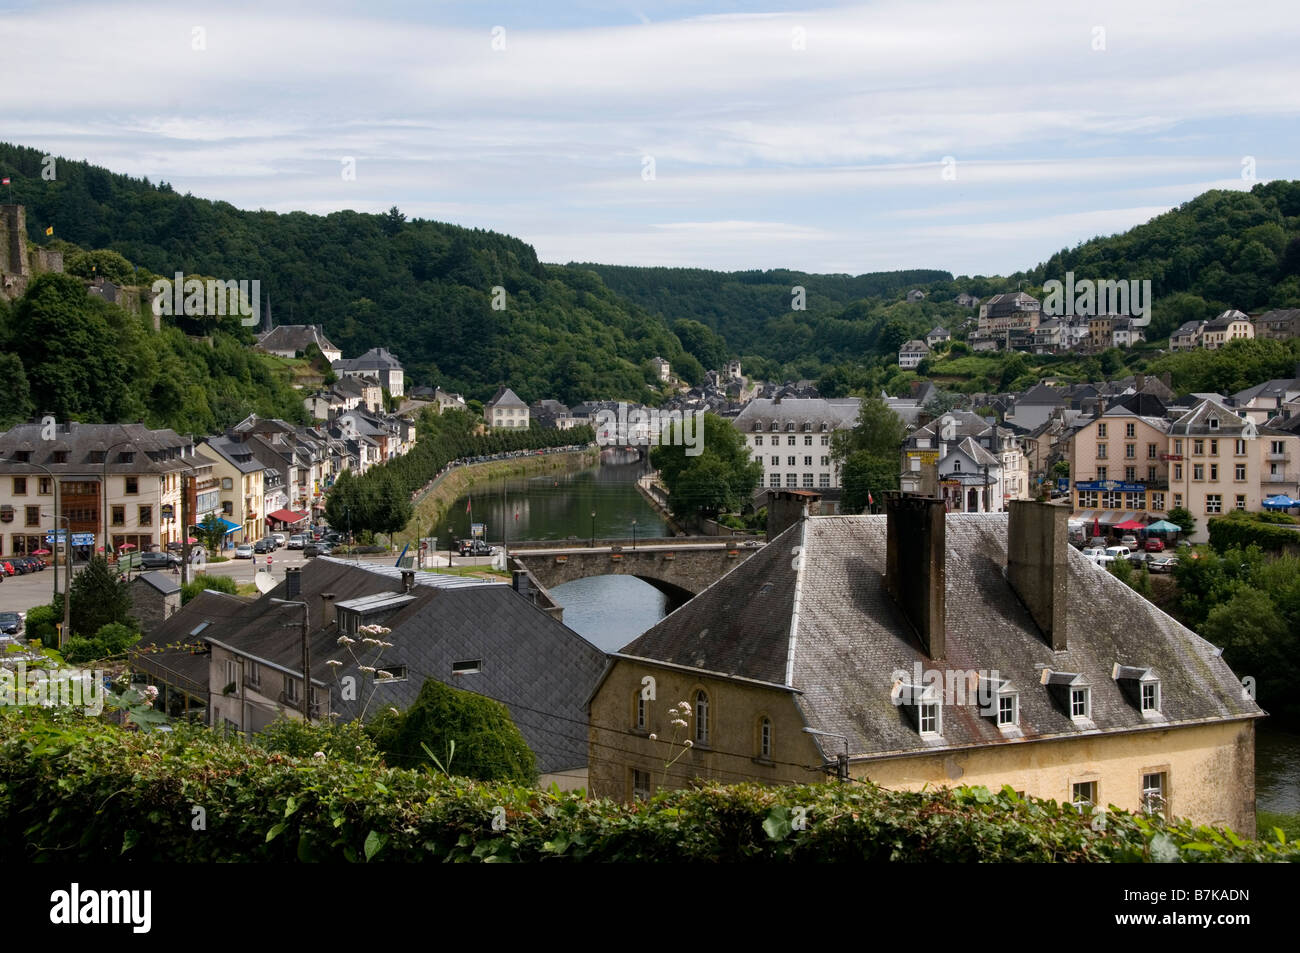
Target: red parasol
(125, 546)
(40, 552)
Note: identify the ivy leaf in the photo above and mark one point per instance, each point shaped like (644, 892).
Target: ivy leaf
(129, 839)
(777, 825)
(275, 831)
(375, 842)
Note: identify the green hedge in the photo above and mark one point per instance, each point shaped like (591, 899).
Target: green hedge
(78, 789)
(1266, 531)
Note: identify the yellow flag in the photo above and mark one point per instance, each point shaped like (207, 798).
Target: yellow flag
(49, 229)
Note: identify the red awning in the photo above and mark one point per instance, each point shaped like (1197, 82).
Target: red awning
(286, 516)
(1131, 524)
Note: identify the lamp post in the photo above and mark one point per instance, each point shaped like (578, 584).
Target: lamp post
(67, 565)
(451, 542)
(842, 766)
(593, 529)
(634, 535)
(305, 701)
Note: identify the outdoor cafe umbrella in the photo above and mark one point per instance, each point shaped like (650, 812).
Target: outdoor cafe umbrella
(1164, 526)
(1131, 524)
(40, 552)
(126, 546)
(1280, 502)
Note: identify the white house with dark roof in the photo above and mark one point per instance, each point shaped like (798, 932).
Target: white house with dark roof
(378, 363)
(505, 409)
(931, 650)
(791, 437)
(912, 353)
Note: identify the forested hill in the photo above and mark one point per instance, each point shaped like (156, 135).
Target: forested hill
(1223, 249)
(755, 311)
(420, 288)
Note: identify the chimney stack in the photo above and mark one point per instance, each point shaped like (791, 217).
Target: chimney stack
(408, 579)
(787, 507)
(292, 582)
(914, 566)
(1037, 564)
(327, 613)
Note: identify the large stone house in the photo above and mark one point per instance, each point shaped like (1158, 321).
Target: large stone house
(931, 651)
(379, 363)
(505, 409)
(791, 437)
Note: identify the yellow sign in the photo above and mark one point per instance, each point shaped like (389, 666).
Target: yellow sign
(928, 457)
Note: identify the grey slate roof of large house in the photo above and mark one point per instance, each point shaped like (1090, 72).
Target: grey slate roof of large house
(294, 337)
(154, 451)
(539, 668)
(505, 397)
(835, 411)
(829, 632)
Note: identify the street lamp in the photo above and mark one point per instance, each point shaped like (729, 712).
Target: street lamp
(67, 565)
(593, 529)
(54, 488)
(634, 534)
(305, 701)
(451, 542)
(842, 767)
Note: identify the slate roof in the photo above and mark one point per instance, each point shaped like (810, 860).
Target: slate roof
(842, 640)
(839, 412)
(155, 451)
(294, 337)
(1224, 320)
(1040, 395)
(505, 397)
(164, 583)
(539, 668)
(375, 359)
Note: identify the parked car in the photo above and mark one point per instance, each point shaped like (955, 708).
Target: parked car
(297, 541)
(1165, 562)
(1154, 545)
(1118, 552)
(9, 569)
(1098, 557)
(1098, 542)
(265, 545)
(280, 539)
(244, 551)
(311, 549)
(11, 623)
(159, 560)
(1129, 540)
(1137, 557)
(475, 547)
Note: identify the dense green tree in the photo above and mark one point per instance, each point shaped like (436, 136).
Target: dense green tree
(488, 746)
(100, 596)
(1184, 518)
(100, 263)
(866, 477)
(719, 477)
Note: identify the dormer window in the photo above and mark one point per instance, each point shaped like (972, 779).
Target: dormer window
(1151, 696)
(1000, 701)
(1071, 694)
(1080, 704)
(922, 704)
(1141, 686)
(1214, 423)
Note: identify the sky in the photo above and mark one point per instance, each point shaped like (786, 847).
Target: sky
(974, 137)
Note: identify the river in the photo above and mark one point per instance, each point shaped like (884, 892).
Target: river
(611, 611)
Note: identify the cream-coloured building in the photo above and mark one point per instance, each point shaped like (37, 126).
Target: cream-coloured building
(505, 409)
(1214, 464)
(1119, 466)
(241, 478)
(926, 651)
(1229, 326)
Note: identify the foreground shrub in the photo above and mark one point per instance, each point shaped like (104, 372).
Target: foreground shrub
(58, 770)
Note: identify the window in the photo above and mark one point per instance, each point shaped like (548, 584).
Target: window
(776, 461)
(1111, 500)
(1130, 451)
(956, 466)
(774, 480)
(807, 441)
(1130, 430)
(1101, 430)
(1198, 471)
(253, 675)
(765, 737)
(119, 516)
(1241, 501)
(467, 667)
(640, 709)
(146, 516)
(1087, 499)
(33, 515)
(928, 718)
(701, 718)
(1150, 696)
(398, 673)
(791, 481)
(1213, 503)
(290, 689)
(1214, 423)
(1178, 446)
(1157, 502)
(1083, 793)
(1214, 448)
(826, 461)
(789, 461)
(1239, 447)
(1198, 448)
(227, 483)
(1151, 451)
(1008, 710)
(20, 486)
(1178, 471)
(824, 480)
(1153, 792)
(1178, 501)
(1151, 474)
(43, 486)
(807, 461)
(758, 441)
(1101, 451)
(807, 481)
(826, 440)
(1130, 474)
(790, 441)
(1080, 703)
(132, 484)
(1275, 447)
(1239, 472)
(640, 785)
(1214, 472)
(1102, 473)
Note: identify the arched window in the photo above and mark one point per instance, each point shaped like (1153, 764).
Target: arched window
(701, 718)
(765, 737)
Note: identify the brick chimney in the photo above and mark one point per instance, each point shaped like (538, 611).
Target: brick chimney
(914, 566)
(327, 612)
(408, 579)
(1037, 564)
(292, 582)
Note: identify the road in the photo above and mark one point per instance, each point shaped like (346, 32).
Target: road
(20, 593)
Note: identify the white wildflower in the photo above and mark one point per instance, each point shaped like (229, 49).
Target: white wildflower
(653, 736)
(689, 743)
(381, 674)
(678, 723)
(394, 711)
(333, 661)
(319, 756)
(366, 668)
(344, 640)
